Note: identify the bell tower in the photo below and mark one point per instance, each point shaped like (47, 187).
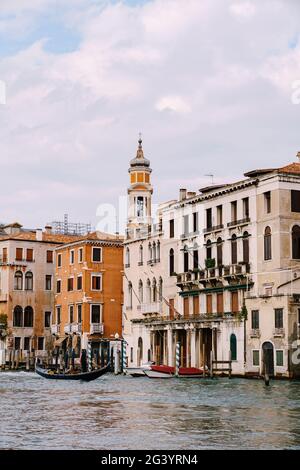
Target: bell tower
(140, 191)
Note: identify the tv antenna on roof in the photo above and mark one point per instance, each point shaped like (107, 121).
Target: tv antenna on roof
(212, 178)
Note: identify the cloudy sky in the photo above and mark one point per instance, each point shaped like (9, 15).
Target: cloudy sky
(209, 83)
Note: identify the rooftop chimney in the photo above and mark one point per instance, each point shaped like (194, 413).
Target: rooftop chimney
(48, 228)
(182, 194)
(39, 234)
(298, 155)
(191, 194)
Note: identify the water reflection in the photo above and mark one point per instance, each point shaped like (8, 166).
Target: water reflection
(125, 413)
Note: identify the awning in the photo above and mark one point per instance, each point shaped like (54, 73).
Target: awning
(60, 341)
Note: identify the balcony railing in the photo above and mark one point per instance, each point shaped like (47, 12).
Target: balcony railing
(255, 333)
(214, 228)
(97, 328)
(152, 307)
(278, 332)
(67, 328)
(76, 327)
(234, 223)
(55, 329)
(203, 275)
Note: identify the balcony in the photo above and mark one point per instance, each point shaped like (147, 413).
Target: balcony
(55, 329)
(278, 333)
(214, 228)
(254, 333)
(97, 328)
(67, 328)
(184, 236)
(76, 328)
(152, 307)
(235, 223)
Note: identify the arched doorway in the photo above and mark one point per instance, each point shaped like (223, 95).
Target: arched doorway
(268, 358)
(140, 352)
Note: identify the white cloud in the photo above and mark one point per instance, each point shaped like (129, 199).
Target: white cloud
(206, 87)
(174, 104)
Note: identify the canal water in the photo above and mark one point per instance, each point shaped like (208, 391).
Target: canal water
(126, 413)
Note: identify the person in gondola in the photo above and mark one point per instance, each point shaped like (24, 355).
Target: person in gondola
(75, 348)
(68, 353)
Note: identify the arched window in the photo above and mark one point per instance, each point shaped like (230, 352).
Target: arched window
(154, 290)
(208, 250)
(18, 280)
(158, 252)
(148, 291)
(268, 244)
(29, 281)
(141, 255)
(28, 316)
(219, 251)
(246, 257)
(171, 262)
(150, 252)
(129, 303)
(18, 316)
(127, 260)
(160, 289)
(233, 347)
(296, 242)
(154, 251)
(141, 291)
(185, 259)
(233, 249)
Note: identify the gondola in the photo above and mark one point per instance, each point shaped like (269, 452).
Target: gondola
(85, 376)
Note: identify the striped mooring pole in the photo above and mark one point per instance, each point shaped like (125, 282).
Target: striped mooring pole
(177, 365)
(123, 356)
(89, 356)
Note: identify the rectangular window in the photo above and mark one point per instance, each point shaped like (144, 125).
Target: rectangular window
(278, 317)
(79, 282)
(279, 358)
(29, 254)
(48, 285)
(219, 215)
(171, 308)
(96, 282)
(49, 256)
(195, 259)
(208, 218)
(195, 222)
(58, 315)
(295, 201)
(40, 343)
(26, 343)
(19, 254)
(47, 319)
(185, 224)
(209, 303)
(97, 255)
(196, 306)
(267, 199)
(72, 256)
(172, 234)
(80, 255)
(131, 354)
(79, 313)
(59, 260)
(4, 255)
(96, 313)
(58, 286)
(255, 357)
(186, 307)
(70, 284)
(220, 303)
(234, 211)
(17, 343)
(255, 319)
(71, 313)
(246, 208)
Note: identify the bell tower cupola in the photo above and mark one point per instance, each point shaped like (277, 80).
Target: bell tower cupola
(140, 190)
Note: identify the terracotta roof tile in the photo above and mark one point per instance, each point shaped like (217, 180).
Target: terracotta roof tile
(291, 168)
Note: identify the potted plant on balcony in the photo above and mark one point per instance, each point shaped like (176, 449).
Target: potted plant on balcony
(210, 263)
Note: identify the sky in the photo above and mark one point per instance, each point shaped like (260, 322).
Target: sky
(211, 85)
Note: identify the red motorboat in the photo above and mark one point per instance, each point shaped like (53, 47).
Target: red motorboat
(183, 371)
